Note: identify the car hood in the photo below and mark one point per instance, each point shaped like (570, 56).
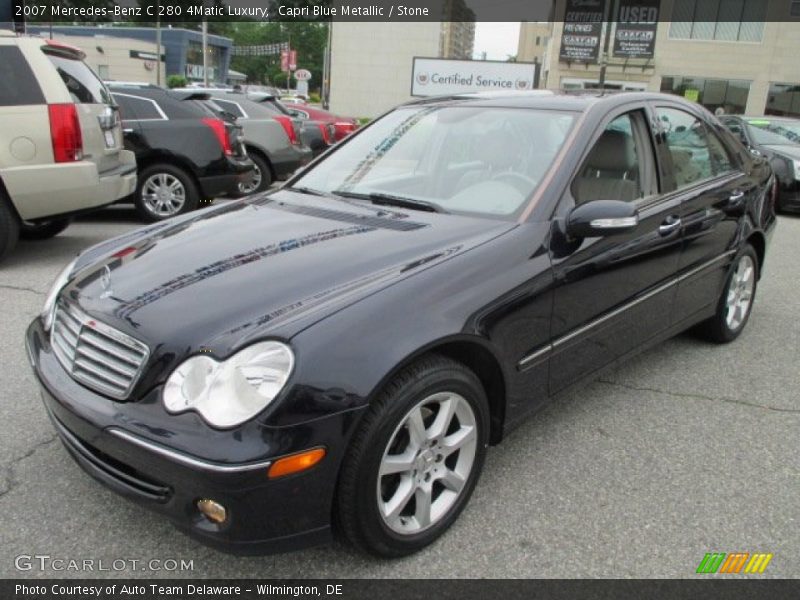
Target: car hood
(270, 265)
(788, 150)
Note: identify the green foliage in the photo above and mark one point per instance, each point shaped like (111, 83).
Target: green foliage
(314, 98)
(176, 81)
(309, 39)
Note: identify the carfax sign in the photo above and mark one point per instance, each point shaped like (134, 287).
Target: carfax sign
(436, 76)
(635, 35)
(583, 24)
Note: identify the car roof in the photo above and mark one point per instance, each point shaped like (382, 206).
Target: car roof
(569, 100)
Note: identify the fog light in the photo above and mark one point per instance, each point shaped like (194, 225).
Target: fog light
(295, 463)
(214, 511)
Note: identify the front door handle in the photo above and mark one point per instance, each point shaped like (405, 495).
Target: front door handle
(736, 196)
(670, 224)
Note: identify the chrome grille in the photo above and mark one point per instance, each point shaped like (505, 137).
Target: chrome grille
(95, 354)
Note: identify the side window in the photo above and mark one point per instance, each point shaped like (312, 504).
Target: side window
(137, 108)
(18, 86)
(231, 107)
(697, 154)
(617, 167)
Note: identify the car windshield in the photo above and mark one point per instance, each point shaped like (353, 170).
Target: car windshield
(462, 159)
(775, 132)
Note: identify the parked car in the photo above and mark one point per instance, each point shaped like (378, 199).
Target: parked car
(274, 141)
(350, 344)
(343, 126)
(60, 140)
(317, 135)
(186, 152)
(778, 139)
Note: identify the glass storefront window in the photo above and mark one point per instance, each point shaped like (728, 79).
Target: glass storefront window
(730, 95)
(725, 20)
(783, 100)
(194, 61)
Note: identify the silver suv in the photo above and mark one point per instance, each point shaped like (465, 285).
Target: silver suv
(60, 140)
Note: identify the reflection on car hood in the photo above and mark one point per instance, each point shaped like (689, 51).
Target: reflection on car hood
(269, 265)
(789, 150)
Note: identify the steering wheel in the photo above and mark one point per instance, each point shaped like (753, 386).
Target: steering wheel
(523, 183)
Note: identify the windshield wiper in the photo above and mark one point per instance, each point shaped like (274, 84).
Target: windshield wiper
(309, 191)
(390, 200)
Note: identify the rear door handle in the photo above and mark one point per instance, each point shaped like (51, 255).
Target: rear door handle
(669, 225)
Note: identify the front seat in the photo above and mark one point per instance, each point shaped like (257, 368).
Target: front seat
(610, 171)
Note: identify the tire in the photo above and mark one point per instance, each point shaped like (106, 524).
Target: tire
(9, 227)
(43, 230)
(179, 192)
(262, 174)
(738, 295)
(381, 514)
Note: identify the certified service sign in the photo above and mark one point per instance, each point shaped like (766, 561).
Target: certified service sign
(437, 76)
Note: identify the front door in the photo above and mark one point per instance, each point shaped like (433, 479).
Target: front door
(614, 293)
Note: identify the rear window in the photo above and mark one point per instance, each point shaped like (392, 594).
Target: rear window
(18, 86)
(83, 85)
(231, 107)
(137, 108)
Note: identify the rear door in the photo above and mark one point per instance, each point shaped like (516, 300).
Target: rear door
(614, 293)
(707, 179)
(100, 128)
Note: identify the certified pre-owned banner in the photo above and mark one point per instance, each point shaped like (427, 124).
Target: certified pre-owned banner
(436, 76)
(637, 22)
(583, 24)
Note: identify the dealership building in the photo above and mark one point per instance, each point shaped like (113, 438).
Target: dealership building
(740, 56)
(129, 53)
(371, 63)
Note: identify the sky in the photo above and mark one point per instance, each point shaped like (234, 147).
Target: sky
(498, 40)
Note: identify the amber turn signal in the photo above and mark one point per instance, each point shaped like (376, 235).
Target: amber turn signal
(295, 463)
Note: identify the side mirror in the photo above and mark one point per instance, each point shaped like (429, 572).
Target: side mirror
(600, 218)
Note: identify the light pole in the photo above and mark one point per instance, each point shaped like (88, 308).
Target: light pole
(158, 45)
(205, 53)
(609, 11)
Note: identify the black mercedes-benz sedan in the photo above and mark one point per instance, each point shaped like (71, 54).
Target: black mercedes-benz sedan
(338, 354)
(778, 140)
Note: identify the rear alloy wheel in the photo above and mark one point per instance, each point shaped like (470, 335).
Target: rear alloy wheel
(736, 301)
(414, 462)
(260, 180)
(164, 191)
(43, 230)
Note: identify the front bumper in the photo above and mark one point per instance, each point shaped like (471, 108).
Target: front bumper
(130, 449)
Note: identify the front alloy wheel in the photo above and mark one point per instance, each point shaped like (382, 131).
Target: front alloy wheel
(413, 463)
(427, 462)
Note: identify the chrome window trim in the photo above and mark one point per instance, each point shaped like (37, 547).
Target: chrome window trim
(150, 100)
(530, 359)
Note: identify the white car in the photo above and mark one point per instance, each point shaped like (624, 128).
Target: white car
(61, 148)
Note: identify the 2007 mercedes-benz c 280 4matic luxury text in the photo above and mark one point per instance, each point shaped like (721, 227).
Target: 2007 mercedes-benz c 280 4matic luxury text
(339, 354)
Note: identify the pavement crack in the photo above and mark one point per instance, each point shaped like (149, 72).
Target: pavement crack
(701, 397)
(20, 288)
(9, 481)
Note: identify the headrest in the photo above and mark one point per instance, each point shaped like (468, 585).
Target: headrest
(612, 152)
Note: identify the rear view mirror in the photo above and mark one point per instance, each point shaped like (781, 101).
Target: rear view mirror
(600, 218)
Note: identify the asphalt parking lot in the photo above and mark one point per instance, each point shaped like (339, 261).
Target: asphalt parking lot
(691, 448)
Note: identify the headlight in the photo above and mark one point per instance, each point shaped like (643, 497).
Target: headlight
(49, 309)
(230, 392)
